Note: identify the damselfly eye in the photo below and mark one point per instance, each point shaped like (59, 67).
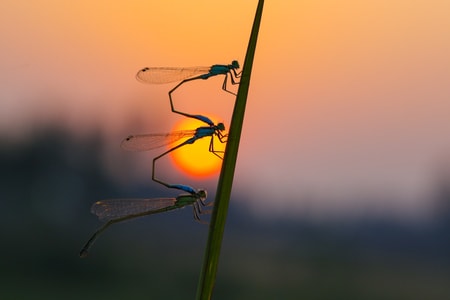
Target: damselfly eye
(221, 126)
(202, 194)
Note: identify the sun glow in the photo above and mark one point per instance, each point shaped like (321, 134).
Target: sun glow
(196, 159)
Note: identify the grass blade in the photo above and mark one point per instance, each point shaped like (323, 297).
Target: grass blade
(218, 218)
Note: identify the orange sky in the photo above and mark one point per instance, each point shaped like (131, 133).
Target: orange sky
(347, 97)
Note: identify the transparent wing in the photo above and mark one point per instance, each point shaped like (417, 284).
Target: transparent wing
(111, 209)
(145, 142)
(166, 75)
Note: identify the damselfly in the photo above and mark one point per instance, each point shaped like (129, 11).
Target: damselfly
(117, 210)
(167, 74)
(144, 142)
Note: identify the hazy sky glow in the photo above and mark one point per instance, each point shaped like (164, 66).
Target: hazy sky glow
(349, 101)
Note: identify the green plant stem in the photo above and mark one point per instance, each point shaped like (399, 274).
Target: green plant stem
(219, 214)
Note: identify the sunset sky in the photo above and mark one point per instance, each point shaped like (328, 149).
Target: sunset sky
(348, 109)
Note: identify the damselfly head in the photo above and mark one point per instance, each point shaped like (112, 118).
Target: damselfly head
(202, 194)
(235, 64)
(220, 127)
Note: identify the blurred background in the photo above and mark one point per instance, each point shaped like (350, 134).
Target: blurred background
(342, 187)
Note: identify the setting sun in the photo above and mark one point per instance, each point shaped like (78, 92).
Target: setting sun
(196, 159)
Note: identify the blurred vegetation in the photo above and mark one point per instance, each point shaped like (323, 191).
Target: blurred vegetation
(50, 181)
